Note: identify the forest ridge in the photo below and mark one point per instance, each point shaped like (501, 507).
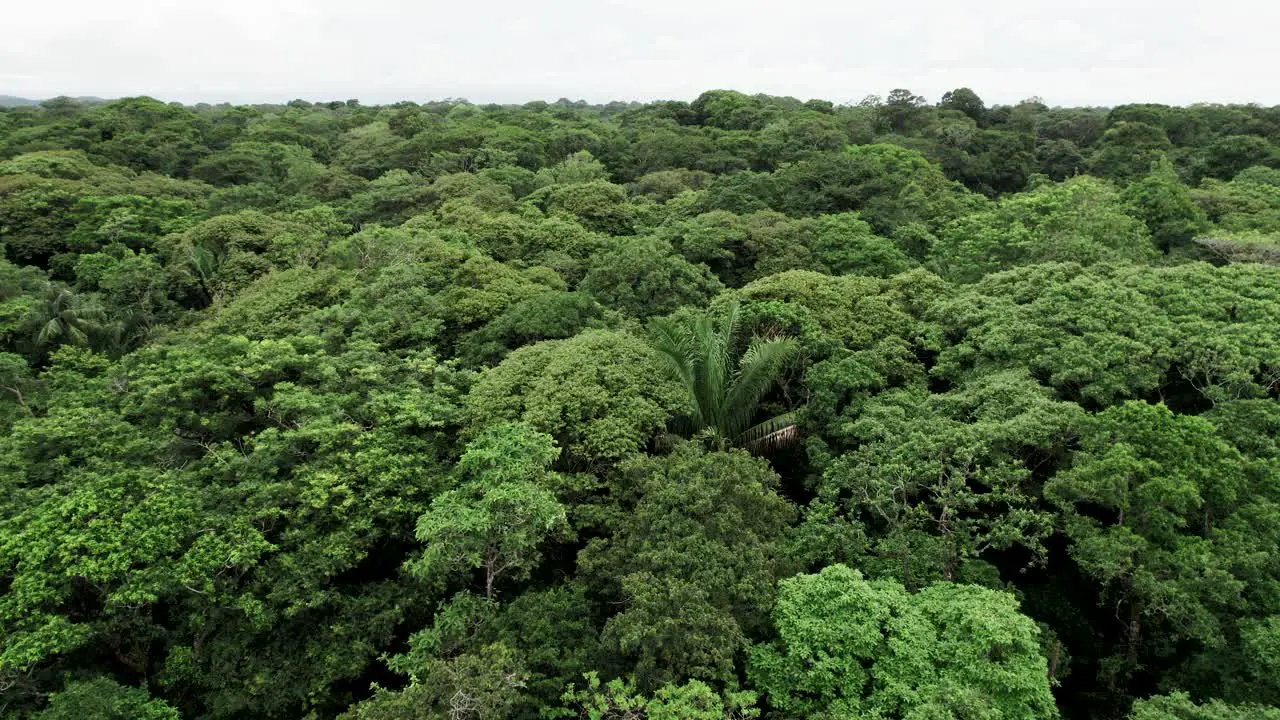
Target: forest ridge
(744, 407)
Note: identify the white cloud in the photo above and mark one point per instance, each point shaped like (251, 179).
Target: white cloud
(1089, 52)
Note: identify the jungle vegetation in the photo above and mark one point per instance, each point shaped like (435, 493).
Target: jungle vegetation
(744, 407)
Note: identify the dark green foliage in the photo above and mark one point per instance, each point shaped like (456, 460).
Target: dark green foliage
(1228, 155)
(1162, 202)
(846, 246)
(1081, 220)
(1090, 337)
(693, 555)
(889, 185)
(694, 700)
(1127, 150)
(1059, 159)
(549, 316)
(1162, 514)
(600, 394)
(1179, 707)
(644, 277)
(926, 468)
(741, 248)
(102, 698)
(966, 101)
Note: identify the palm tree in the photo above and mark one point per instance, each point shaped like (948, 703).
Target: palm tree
(724, 393)
(62, 317)
(204, 265)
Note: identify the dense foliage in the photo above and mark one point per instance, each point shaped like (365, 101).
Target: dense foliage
(743, 407)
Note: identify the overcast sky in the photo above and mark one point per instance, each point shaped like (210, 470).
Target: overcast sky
(1087, 52)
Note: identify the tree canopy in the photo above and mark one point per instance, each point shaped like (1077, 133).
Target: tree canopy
(740, 407)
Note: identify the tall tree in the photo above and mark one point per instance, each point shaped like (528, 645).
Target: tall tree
(495, 521)
(852, 648)
(61, 317)
(725, 391)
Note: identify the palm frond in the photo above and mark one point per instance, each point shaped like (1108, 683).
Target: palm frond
(773, 434)
(673, 345)
(675, 348)
(205, 262)
(50, 331)
(77, 334)
(61, 316)
(712, 371)
(758, 370)
(729, 324)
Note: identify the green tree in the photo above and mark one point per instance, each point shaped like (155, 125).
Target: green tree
(1127, 150)
(731, 110)
(691, 556)
(132, 220)
(1229, 155)
(1140, 504)
(580, 167)
(644, 277)
(619, 700)
(287, 168)
(390, 199)
(1220, 321)
(887, 184)
(1081, 220)
(741, 248)
(1059, 159)
(145, 134)
(1093, 337)
(822, 312)
(482, 685)
(724, 392)
(36, 216)
(938, 482)
(495, 521)
(234, 474)
(849, 647)
(370, 150)
(799, 135)
(846, 245)
(966, 101)
(1178, 706)
(600, 394)
(598, 204)
(1246, 203)
(105, 699)
(903, 111)
(1164, 204)
(60, 316)
(19, 386)
(548, 316)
